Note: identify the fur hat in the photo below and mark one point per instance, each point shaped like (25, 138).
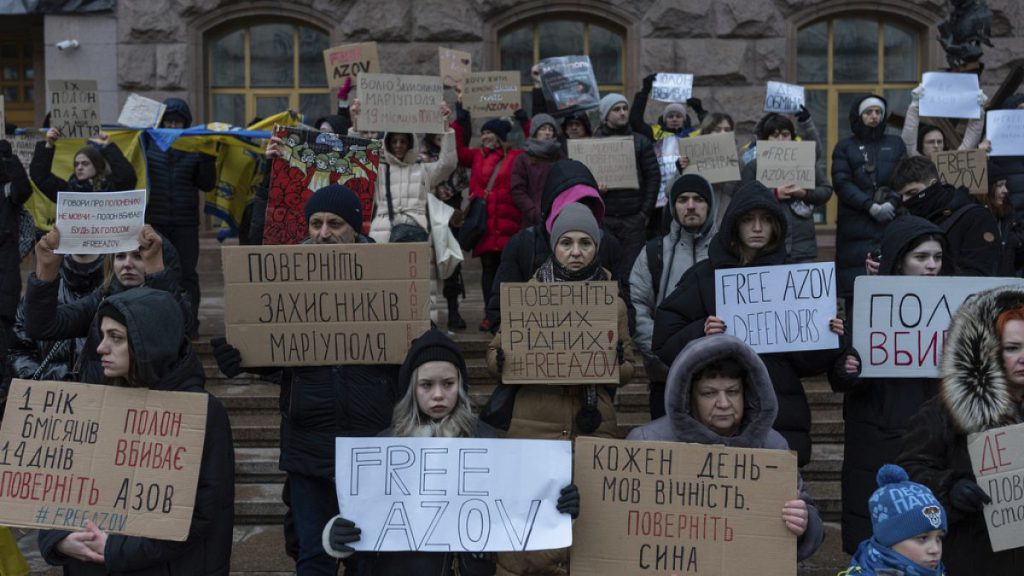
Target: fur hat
(902, 509)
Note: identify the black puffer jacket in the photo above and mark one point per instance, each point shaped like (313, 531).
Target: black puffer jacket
(46, 319)
(971, 230)
(14, 192)
(55, 359)
(531, 247)
(680, 318)
(876, 411)
(861, 165)
(625, 202)
(176, 177)
(122, 174)
(973, 397)
(166, 361)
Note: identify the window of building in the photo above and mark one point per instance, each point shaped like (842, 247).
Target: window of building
(843, 57)
(260, 69)
(17, 78)
(524, 44)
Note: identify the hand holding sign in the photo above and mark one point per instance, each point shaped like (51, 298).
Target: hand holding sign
(151, 248)
(47, 260)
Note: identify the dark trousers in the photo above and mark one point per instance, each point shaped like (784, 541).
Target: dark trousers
(630, 232)
(314, 502)
(186, 241)
(489, 261)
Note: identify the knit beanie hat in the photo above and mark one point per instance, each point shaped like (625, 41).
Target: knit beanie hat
(691, 183)
(337, 199)
(869, 102)
(433, 345)
(574, 217)
(902, 509)
(541, 120)
(674, 107)
(608, 101)
(499, 127)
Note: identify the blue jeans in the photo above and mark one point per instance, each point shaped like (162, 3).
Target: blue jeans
(314, 503)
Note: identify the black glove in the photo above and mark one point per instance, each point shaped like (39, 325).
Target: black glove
(804, 114)
(499, 360)
(229, 359)
(343, 533)
(620, 352)
(695, 105)
(521, 116)
(649, 83)
(569, 501)
(967, 496)
(5, 149)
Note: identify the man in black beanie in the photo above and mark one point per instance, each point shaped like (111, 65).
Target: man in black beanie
(320, 403)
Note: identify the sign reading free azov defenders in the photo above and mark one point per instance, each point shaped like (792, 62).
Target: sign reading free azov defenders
(314, 305)
(560, 332)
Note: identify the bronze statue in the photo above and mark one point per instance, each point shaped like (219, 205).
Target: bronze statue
(968, 27)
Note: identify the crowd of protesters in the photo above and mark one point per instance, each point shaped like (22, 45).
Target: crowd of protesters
(129, 319)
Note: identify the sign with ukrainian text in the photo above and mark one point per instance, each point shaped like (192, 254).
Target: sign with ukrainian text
(126, 459)
(668, 508)
(75, 108)
(100, 222)
(997, 460)
(900, 322)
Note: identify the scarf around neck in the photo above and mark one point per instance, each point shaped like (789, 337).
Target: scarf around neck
(871, 557)
(552, 271)
(546, 149)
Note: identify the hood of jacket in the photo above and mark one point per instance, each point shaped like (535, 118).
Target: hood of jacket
(898, 239)
(936, 201)
(974, 389)
(861, 130)
(339, 124)
(81, 277)
(412, 155)
(749, 196)
(156, 332)
(759, 403)
(179, 106)
(564, 174)
(582, 118)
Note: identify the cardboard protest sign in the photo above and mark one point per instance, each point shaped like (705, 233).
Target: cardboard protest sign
(900, 322)
(325, 304)
(967, 168)
(779, 308)
(141, 112)
(713, 156)
(672, 87)
(560, 332)
(24, 146)
(568, 84)
(100, 222)
(75, 108)
(310, 161)
(781, 163)
(126, 458)
(997, 460)
(454, 494)
(950, 95)
(393, 103)
(612, 160)
(1005, 129)
(455, 65)
(347, 61)
(671, 508)
(491, 94)
(783, 98)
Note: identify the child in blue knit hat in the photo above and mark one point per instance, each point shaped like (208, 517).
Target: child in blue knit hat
(908, 524)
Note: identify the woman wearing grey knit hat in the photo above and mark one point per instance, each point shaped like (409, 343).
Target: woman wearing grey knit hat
(530, 170)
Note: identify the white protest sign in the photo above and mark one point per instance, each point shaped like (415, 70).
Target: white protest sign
(394, 103)
(779, 308)
(783, 98)
(100, 222)
(141, 112)
(672, 87)
(950, 95)
(454, 494)
(997, 460)
(1005, 129)
(900, 322)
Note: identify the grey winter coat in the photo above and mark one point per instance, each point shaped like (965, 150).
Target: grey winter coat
(760, 407)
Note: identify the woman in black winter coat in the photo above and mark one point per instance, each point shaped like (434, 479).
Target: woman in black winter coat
(99, 167)
(876, 410)
(15, 190)
(752, 233)
(982, 387)
(436, 404)
(144, 346)
(154, 264)
(861, 167)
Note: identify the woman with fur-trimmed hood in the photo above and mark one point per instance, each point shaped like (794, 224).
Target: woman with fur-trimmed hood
(982, 388)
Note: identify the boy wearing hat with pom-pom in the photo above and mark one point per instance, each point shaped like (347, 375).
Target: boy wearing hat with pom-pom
(908, 524)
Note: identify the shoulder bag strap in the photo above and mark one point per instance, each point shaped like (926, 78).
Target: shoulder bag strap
(490, 183)
(387, 192)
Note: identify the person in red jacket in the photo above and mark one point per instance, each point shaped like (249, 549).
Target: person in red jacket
(491, 178)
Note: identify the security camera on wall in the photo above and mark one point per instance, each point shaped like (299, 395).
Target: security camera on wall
(68, 45)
